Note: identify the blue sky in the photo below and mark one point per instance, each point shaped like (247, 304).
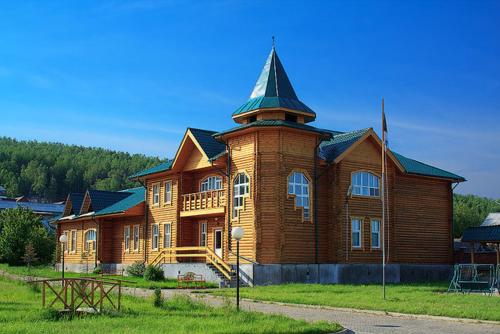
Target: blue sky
(132, 75)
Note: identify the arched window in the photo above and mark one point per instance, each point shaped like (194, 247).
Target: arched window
(211, 183)
(365, 184)
(90, 240)
(298, 185)
(240, 191)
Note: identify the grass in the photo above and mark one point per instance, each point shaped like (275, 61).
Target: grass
(430, 299)
(21, 312)
(49, 272)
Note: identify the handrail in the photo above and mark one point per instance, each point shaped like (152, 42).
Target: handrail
(244, 258)
(203, 200)
(224, 264)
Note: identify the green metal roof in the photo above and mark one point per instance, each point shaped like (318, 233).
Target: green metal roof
(482, 234)
(164, 166)
(211, 146)
(270, 123)
(339, 143)
(101, 199)
(132, 198)
(274, 90)
(419, 168)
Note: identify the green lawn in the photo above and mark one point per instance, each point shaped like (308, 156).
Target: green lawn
(21, 312)
(429, 299)
(49, 272)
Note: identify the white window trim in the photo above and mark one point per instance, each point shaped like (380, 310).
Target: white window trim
(379, 233)
(361, 187)
(169, 201)
(153, 236)
(126, 238)
(360, 231)
(86, 245)
(157, 186)
(206, 179)
(74, 241)
(137, 244)
(236, 209)
(292, 194)
(203, 234)
(165, 239)
(68, 236)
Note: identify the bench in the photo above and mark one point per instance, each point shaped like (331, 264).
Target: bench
(190, 280)
(473, 278)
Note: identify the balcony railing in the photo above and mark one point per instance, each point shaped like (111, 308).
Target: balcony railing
(210, 201)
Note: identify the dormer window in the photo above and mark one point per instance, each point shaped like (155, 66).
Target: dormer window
(365, 184)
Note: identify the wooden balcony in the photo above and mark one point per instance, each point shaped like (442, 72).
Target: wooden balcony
(204, 203)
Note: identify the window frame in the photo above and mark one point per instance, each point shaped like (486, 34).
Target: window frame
(68, 235)
(167, 193)
(74, 241)
(169, 239)
(137, 242)
(153, 195)
(203, 234)
(126, 238)
(375, 220)
(153, 235)
(293, 195)
(369, 187)
(207, 178)
(86, 242)
(236, 209)
(360, 231)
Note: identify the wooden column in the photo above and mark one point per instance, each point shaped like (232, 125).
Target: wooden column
(472, 253)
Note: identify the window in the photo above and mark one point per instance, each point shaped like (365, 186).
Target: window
(211, 183)
(298, 185)
(73, 241)
(126, 237)
(365, 184)
(136, 237)
(167, 235)
(66, 247)
(90, 238)
(155, 236)
(241, 190)
(168, 192)
(375, 227)
(203, 235)
(156, 194)
(356, 233)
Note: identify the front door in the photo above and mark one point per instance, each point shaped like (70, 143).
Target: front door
(218, 242)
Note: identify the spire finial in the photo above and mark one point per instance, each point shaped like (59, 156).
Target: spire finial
(274, 42)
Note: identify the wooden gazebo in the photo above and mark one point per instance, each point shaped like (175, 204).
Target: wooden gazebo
(483, 235)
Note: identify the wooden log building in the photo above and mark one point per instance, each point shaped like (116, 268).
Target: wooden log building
(309, 200)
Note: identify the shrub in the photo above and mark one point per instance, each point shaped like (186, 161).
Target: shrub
(136, 269)
(157, 298)
(97, 270)
(21, 227)
(153, 273)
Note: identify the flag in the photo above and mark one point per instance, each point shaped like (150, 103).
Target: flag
(384, 127)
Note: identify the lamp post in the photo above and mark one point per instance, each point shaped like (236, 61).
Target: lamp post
(237, 234)
(63, 239)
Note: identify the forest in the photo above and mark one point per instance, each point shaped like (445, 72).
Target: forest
(51, 170)
(470, 210)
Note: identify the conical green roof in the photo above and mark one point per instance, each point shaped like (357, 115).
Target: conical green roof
(274, 90)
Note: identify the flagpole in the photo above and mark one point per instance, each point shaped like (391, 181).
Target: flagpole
(383, 197)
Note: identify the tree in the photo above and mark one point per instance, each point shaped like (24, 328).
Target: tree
(470, 210)
(21, 227)
(30, 257)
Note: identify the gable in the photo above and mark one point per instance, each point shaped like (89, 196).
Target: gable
(190, 154)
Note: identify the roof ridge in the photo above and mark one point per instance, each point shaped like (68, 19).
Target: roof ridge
(204, 130)
(420, 162)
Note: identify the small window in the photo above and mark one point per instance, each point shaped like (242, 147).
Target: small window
(375, 231)
(211, 183)
(90, 238)
(291, 117)
(298, 185)
(156, 194)
(68, 242)
(252, 119)
(167, 235)
(365, 184)
(126, 237)
(241, 190)
(155, 236)
(73, 241)
(136, 237)
(168, 192)
(203, 235)
(356, 233)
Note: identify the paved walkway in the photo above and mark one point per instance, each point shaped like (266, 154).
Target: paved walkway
(358, 322)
